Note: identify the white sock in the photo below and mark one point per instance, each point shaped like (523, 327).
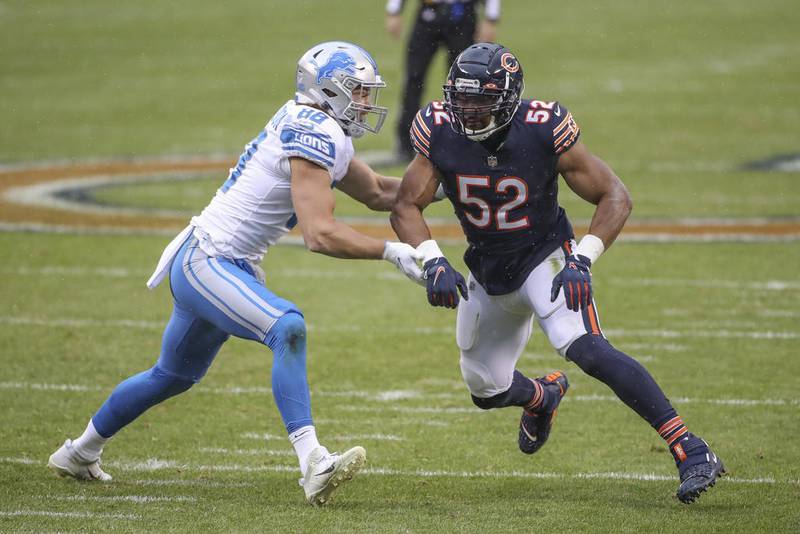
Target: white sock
(304, 440)
(90, 445)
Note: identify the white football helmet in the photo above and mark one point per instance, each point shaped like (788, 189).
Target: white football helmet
(327, 76)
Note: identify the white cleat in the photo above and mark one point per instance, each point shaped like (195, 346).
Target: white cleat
(326, 472)
(66, 462)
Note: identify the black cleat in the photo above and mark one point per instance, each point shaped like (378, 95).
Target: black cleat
(534, 426)
(699, 467)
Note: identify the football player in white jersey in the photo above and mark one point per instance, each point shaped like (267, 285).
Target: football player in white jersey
(284, 177)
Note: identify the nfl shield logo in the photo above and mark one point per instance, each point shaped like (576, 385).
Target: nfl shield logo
(491, 161)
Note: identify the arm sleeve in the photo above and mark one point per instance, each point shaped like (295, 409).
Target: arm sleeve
(492, 10)
(308, 141)
(564, 128)
(420, 131)
(394, 7)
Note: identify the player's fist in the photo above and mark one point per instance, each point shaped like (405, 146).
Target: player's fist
(405, 258)
(444, 283)
(576, 279)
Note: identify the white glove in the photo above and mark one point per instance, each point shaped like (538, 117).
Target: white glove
(405, 258)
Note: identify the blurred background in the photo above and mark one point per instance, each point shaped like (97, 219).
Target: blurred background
(676, 96)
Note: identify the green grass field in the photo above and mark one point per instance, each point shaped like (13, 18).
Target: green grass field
(676, 97)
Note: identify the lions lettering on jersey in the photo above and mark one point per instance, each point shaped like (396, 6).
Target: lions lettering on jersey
(312, 145)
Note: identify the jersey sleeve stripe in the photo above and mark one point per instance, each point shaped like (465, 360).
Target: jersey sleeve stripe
(422, 124)
(417, 135)
(421, 149)
(563, 124)
(566, 134)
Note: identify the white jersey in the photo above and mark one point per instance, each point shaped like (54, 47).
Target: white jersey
(253, 208)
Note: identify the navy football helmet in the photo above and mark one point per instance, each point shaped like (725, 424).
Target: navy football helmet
(483, 90)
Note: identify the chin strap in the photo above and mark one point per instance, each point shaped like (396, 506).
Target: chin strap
(483, 134)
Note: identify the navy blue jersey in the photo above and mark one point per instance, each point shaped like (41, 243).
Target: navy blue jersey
(507, 200)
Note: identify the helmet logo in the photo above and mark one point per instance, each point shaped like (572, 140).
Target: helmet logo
(466, 83)
(509, 62)
(338, 61)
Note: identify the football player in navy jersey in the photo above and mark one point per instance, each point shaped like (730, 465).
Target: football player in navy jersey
(498, 158)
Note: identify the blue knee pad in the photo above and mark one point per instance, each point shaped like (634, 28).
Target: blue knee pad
(134, 396)
(287, 339)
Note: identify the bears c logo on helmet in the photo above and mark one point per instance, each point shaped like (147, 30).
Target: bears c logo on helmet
(509, 62)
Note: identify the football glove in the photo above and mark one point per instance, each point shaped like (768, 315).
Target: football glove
(576, 279)
(404, 257)
(444, 283)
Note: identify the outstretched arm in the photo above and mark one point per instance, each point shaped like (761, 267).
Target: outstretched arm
(314, 202)
(362, 183)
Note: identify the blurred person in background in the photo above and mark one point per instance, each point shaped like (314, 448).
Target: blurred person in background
(452, 23)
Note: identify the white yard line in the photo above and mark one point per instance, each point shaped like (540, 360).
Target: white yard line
(767, 285)
(377, 396)
(73, 515)
(154, 464)
(613, 332)
(135, 499)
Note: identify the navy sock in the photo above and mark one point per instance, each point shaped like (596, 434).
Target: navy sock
(521, 393)
(629, 380)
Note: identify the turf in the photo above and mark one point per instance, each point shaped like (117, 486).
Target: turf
(676, 97)
(383, 366)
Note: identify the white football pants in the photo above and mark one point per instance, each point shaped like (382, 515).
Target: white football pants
(492, 331)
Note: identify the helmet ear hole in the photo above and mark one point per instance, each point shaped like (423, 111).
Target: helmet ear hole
(329, 93)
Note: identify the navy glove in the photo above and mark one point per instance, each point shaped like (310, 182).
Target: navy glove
(576, 278)
(444, 283)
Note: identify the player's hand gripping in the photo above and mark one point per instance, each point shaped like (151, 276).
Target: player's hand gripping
(576, 278)
(443, 282)
(405, 258)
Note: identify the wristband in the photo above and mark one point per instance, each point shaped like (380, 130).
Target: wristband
(590, 246)
(429, 250)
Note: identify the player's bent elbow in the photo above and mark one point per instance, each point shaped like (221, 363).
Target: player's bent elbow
(400, 208)
(315, 243)
(380, 202)
(318, 239)
(626, 201)
(622, 198)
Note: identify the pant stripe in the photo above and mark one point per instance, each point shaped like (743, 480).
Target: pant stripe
(590, 315)
(218, 303)
(245, 291)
